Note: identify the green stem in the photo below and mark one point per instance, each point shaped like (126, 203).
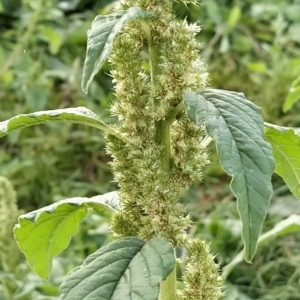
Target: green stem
(163, 139)
(168, 287)
(162, 127)
(173, 114)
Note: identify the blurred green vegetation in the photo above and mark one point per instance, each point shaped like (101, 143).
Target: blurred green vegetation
(250, 46)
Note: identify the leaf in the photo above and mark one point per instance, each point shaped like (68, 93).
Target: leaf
(233, 18)
(125, 269)
(293, 95)
(286, 151)
(44, 233)
(236, 126)
(80, 115)
(53, 38)
(100, 40)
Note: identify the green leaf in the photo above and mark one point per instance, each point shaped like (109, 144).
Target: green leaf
(286, 151)
(53, 38)
(233, 18)
(101, 37)
(44, 233)
(293, 95)
(126, 269)
(80, 115)
(236, 126)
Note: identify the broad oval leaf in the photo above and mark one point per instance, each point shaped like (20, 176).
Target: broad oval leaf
(100, 40)
(44, 233)
(286, 151)
(125, 269)
(80, 115)
(236, 126)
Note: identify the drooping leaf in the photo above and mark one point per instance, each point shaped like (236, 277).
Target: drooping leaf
(236, 126)
(286, 151)
(101, 37)
(125, 269)
(293, 95)
(44, 233)
(80, 115)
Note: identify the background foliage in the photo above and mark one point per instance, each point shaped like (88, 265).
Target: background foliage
(251, 46)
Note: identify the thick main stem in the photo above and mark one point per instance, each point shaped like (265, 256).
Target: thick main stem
(161, 127)
(162, 139)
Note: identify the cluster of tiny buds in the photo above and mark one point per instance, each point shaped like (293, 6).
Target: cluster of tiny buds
(149, 190)
(201, 278)
(149, 193)
(9, 213)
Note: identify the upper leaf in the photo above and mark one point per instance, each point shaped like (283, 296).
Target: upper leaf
(100, 40)
(236, 126)
(286, 151)
(293, 95)
(44, 233)
(125, 269)
(79, 115)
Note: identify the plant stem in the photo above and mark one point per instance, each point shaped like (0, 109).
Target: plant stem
(163, 139)
(168, 287)
(162, 127)
(172, 115)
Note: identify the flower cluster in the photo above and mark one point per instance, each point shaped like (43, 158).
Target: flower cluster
(201, 278)
(9, 251)
(154, 62)
(163, 153)
(8, 217)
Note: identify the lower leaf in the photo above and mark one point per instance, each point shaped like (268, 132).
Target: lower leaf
(44, 233)
(126, 269)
